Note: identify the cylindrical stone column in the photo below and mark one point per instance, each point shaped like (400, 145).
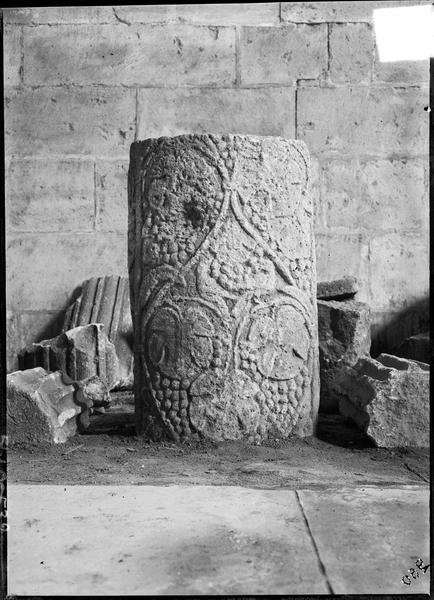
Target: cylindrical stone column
(223, 287)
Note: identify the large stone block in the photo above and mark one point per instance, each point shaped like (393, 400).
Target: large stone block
(388, 398)
(404, 72)
(376, 194)
(344, 333)
(111, 195)
(338, 289)
(394, 254)
(351, 48)
(40, 408)
(55, 15)
(76, 120)
(106, 300)
(363, 121)
(166, 112)
(79, 353)
(120, 55)
(50, 195)
(320, 12)
(12, 55)
(263, 13)
(222, 281)
(43, 270)
(270, 55)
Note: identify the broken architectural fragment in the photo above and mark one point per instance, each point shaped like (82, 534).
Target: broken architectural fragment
(416, 347)
(388, 398)
(106, 300)
(223, 287)
(40, 407)
(339, 289)
(92, 395)
(79, 353)
(344, 331)
(46, 407)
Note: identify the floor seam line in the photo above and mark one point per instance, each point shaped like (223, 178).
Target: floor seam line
(320, 562)
(416, 472)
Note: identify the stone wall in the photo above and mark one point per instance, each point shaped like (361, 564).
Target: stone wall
(82, 83)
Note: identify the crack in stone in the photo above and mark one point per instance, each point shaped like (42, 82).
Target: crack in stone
(315, 547)
(416, 472)
(118, 18)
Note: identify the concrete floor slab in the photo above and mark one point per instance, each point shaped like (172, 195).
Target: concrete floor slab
(179, 540)
(368, 538)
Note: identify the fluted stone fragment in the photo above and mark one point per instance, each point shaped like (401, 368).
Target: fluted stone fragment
(223, 287)
(80, 353)
(106, 300)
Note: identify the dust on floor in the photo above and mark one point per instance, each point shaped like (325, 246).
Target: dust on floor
(338, 456)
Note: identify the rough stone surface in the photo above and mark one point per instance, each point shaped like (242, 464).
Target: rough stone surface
(402, 71)
(12, 340)
(80, 353)
(388, 120)
(320, 12)
(351, 191)
(284, 55)
(339, 289)
(344, 336)
(69, 120)
(223, 283)
(351, 52)
(171, 112)
(416, 347)
(53, 15)
(43, 269)
(35, 186)
(111, 195)
(150, 54)
(40, 407)
(12, 55)
(106, 300)
(93, 396)
(388, 398)
(394, 254)
(341, 255)
(261, 13)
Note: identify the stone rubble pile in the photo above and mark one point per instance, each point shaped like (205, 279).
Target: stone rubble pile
(65, 382)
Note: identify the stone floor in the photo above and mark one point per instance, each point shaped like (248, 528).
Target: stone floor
(110, 514)
(195, 539)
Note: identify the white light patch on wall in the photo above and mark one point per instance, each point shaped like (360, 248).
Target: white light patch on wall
(404, 33)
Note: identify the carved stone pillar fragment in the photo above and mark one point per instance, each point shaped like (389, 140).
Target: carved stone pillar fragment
(223, 287)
